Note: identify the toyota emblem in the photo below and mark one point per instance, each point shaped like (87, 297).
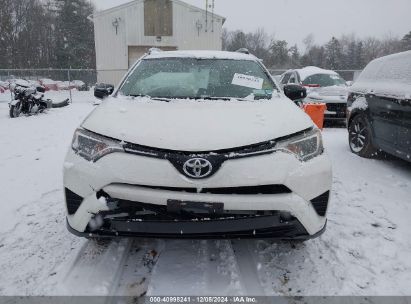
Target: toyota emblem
(197, 168)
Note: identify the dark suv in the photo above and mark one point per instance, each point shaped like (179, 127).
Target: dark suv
(379, 108)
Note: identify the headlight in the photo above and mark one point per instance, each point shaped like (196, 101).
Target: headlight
(92, 146)
(305, 146)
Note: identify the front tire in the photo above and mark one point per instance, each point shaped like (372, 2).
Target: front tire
(15, 110)
(360, 137)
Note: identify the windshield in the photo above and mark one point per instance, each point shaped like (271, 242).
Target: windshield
(324, 80)
(198, 78)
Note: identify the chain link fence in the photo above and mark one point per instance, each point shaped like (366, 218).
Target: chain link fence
(59, 83)
(88, 76)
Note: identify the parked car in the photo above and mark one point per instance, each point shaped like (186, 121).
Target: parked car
(49, 84)
(4, 86)
(80, 85)
(197, 144)
(379, 108)
(324, 86)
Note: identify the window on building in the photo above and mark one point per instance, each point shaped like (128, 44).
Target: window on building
(158, 18)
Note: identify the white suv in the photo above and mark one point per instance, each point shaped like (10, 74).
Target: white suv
(197, 144)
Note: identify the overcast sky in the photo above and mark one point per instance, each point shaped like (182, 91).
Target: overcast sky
(293, 20)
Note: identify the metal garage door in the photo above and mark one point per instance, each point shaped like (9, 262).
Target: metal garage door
(135, 52)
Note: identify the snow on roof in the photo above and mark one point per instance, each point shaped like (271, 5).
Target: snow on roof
(201, 55)
(312, 70)
(389, 76)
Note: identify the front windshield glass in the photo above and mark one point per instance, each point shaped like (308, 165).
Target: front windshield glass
(198, 78)
(324, 80)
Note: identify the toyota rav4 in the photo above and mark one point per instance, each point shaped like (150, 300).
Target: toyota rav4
(196, 144)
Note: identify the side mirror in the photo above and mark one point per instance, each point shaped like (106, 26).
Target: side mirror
(103, 90)
(295, 91)
(349, 83)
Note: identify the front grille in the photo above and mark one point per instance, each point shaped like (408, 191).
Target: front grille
(215, 158)
(246, 190)
(229, 153)
(320, 203)
(233, 153)
(73, 201)
(337, 107)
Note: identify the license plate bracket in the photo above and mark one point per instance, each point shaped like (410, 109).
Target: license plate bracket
(177, 206)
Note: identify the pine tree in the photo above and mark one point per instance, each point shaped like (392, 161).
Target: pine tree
(333, 54)
(6, 34)
(75, 35)
(238, 41)
(406, 42)
(279, 53)
(295, 56)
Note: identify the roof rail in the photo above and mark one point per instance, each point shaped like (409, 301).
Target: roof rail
(154, 50)
(244, 51)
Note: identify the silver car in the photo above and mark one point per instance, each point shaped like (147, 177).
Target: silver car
(323, 86)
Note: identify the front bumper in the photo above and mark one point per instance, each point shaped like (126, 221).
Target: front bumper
(142, 180)
(336, 109)
(265, 227)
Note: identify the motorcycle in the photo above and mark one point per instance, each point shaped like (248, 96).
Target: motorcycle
(29, 100)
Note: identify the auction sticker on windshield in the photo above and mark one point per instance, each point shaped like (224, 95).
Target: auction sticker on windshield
(248, 81)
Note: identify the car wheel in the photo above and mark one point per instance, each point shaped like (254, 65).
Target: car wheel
(15, 110)
(360, 137)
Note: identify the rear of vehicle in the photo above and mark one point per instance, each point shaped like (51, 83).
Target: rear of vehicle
(379, 108)
(197, 145)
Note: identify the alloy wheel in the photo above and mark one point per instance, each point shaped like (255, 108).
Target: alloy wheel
(358, 135)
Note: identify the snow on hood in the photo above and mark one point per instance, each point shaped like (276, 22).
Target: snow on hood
(196, 126)
(328, 91)
(312, 70)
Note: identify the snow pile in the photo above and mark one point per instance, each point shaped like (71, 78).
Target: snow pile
(202, 55)
(360, 103)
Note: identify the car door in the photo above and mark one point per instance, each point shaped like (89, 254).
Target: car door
(385, 119)
(404, 135)
(390, 106)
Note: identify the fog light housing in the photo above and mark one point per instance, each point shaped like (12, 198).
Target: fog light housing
(285, 216)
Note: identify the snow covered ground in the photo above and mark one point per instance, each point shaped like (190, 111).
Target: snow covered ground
(365, 250)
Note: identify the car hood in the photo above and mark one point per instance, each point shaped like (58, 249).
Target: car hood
(328, 91)
(196, 125)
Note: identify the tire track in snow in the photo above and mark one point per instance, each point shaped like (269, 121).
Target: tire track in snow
(119, 267)
(195, 267)
(135, 274)
(97, 267)
(248, 267)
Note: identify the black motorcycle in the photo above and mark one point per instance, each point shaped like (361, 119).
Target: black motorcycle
(30, 100)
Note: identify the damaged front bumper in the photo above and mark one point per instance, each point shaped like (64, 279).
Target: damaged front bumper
(103, 216)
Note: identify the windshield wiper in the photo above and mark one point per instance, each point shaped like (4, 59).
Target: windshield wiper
(222, 98)
(153, 98)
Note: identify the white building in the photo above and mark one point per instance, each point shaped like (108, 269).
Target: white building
(124, 33)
